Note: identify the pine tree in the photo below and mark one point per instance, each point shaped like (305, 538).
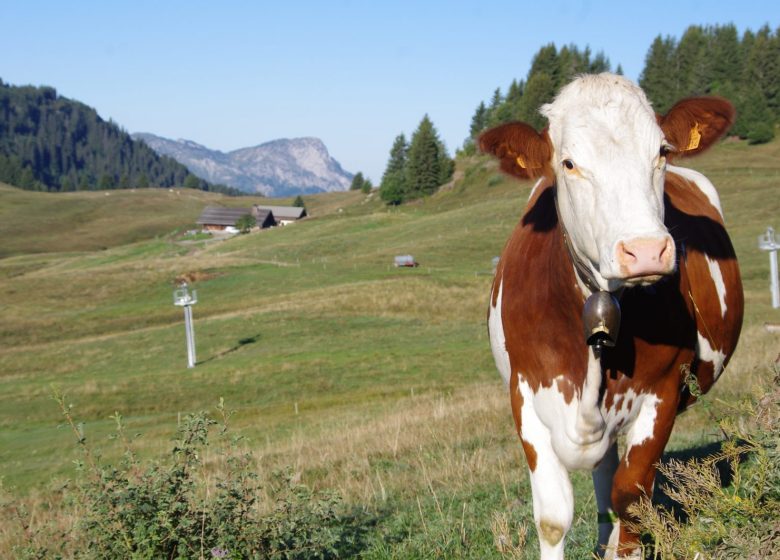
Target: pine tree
(424, 164)
(393, 188)
(540, 89)
(479, 120)
(357, 182)
(658, 78)
(691, 64)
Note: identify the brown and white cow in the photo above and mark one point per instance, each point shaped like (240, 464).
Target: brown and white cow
(610, 214)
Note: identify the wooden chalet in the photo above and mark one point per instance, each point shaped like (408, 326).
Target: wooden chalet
(284, 214)
(219, 218)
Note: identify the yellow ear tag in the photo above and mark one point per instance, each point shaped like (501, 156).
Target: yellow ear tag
(522, 163)
(695, 138)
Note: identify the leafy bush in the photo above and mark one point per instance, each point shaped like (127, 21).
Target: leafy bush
(738, 520)
(168, 509)
(245, 223)
(761, 133)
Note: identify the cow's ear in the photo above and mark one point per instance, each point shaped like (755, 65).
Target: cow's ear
(695, 124)
(521, 150)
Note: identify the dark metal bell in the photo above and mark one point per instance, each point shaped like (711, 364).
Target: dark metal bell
(601, 319)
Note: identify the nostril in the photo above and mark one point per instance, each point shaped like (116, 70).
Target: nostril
(625, 253)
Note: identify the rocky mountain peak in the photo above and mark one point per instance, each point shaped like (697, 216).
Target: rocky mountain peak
(282, 167)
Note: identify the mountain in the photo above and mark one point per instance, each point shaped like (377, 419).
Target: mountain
(278, 168)
(49, 142)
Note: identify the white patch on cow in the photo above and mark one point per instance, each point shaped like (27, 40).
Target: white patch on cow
(643, 426)
(720, 285)
(706, 353)
(547, 411)
(590, 424)
(609, 174)
(704, 184)
(553, 498)
(496, 331)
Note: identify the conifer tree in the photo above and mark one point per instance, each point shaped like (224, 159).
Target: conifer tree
(479, 120)
(393, 188)
(424, 166)
(657, 79)
(540, 89)
(357, 182)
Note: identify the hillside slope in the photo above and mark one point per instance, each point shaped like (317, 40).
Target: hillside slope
(368, 379)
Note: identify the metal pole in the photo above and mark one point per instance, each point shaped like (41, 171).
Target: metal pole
(190, 336)
(774, 282)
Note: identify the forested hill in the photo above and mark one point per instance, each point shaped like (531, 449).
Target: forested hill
(51, 143)
(706, 60)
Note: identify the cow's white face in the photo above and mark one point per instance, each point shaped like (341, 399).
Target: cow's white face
(609, 161)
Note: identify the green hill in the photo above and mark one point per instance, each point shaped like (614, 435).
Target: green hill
(375, 381)
(51, 143)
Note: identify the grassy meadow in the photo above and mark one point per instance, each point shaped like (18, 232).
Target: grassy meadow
(374, 381)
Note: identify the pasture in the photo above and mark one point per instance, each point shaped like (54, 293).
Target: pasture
(374, 381)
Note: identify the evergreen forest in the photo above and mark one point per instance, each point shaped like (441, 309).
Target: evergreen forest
(51, 143)
(706, 60)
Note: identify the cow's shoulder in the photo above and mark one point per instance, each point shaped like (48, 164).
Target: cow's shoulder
(541, 305)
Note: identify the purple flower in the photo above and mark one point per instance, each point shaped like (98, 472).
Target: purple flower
(217, 552)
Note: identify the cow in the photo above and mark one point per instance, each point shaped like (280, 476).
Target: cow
(612, 233)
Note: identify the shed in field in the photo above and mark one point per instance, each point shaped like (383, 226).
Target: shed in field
(219, 218)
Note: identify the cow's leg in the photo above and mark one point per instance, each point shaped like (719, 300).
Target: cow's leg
(553, 498)
(553, 501)
(609, 526)
(645, 442)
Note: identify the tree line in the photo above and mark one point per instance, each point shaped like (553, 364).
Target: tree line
(707, 60)
(51, 143)
(715, 60)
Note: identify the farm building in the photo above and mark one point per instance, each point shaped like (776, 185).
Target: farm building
(284, 214)
(218, 218)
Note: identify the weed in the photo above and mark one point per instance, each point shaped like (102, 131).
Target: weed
(717, 518)
(185, 508)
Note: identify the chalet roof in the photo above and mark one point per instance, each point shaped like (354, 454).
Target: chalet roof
(220, 216)
(285, 212)
(264, 218)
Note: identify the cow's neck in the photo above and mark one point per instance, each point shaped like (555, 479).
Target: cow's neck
(584, 272)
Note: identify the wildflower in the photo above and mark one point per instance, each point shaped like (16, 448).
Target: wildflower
(217, 552)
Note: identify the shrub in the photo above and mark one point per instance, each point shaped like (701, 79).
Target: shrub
(245, 223)
(761, 133)
(168, 509)
(735, 521)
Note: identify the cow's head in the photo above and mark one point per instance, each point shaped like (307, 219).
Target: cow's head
(607, 152)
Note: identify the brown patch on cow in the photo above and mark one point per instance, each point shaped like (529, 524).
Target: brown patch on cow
(530, 454)
(695, 124)
(541, 304)
(521, 150)
(516, 398)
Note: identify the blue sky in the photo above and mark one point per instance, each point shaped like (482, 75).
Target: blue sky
(230, 74)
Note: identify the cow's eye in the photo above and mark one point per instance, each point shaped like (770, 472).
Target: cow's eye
(666, 149)
(568, 164)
